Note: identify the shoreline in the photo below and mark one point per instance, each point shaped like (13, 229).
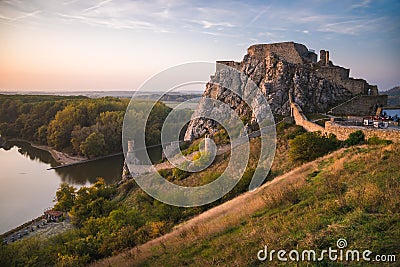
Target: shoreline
(60, 157)
(64, 160)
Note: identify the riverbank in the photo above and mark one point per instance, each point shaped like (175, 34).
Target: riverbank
(60, 157)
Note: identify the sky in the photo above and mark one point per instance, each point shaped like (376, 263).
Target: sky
(118, 44)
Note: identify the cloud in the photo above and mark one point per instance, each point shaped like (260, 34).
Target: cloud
(362, 4)
(208, 24)
(351, 27)
(112, 23)
(245, 20)
(256, 17)
(24, 15)
(97, 5)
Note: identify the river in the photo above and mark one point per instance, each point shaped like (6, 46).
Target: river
(27, 187)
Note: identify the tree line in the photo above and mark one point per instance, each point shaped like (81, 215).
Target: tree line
(76, 124)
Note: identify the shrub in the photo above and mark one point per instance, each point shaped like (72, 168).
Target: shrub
(282, 126)
(202, 159)
(374, 140)
(192, 148)
(355, 138)
(294, 131)
(179, 174)
(311, 145)
(289, 131)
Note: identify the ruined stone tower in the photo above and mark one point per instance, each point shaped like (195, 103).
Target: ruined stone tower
(324, 57)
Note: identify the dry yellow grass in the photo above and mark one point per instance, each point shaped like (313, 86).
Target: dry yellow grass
(217, 219)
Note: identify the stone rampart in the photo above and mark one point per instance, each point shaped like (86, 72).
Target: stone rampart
(362, 105)
(290, 51)
(301, 119)
(342, 132)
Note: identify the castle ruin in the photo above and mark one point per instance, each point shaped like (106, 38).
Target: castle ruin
(366, 98)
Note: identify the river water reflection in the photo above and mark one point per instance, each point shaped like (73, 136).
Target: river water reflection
(27, 187)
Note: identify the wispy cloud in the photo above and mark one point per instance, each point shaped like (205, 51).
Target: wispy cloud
(351, 27)
(112, 23)
(26, 15)
(242, 19)
(21, 16)
(362, 4)
(208, 24)
(256, 17)
(97, 5)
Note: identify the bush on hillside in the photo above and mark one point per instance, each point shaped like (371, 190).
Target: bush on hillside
(374, 140)
(311, 145)
(355, 138)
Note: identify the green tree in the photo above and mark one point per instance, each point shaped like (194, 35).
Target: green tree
(79, 135)
(59, 130)
(41, 135)
(109, 123)
(94, 145)
(65, 197)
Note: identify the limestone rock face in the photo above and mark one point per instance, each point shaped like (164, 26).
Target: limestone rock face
(277, 78)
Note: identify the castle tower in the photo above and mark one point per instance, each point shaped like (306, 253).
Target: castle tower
(324, 57)
(131, 155)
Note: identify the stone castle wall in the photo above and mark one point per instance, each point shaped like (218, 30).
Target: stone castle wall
(341, 132)
(356, 86)
(299, 54)
(362, 105)
(336, 74)
(301, 119)
(290, 51)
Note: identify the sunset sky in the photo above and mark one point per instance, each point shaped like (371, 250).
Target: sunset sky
(118, 44)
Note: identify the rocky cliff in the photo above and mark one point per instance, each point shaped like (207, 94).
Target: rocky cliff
(279, 70)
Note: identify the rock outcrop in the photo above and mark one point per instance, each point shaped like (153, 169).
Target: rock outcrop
(280, 70)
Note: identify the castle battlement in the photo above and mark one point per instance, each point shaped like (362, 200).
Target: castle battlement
(292, 52)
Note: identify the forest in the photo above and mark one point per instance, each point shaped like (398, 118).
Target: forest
(77, 125)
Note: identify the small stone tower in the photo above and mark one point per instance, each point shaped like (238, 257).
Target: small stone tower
(131, 155)
(324, 57)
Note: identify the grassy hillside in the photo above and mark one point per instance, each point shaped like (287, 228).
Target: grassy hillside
(311, 205)
(109, 219)
(353, 193)
(394, 96)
